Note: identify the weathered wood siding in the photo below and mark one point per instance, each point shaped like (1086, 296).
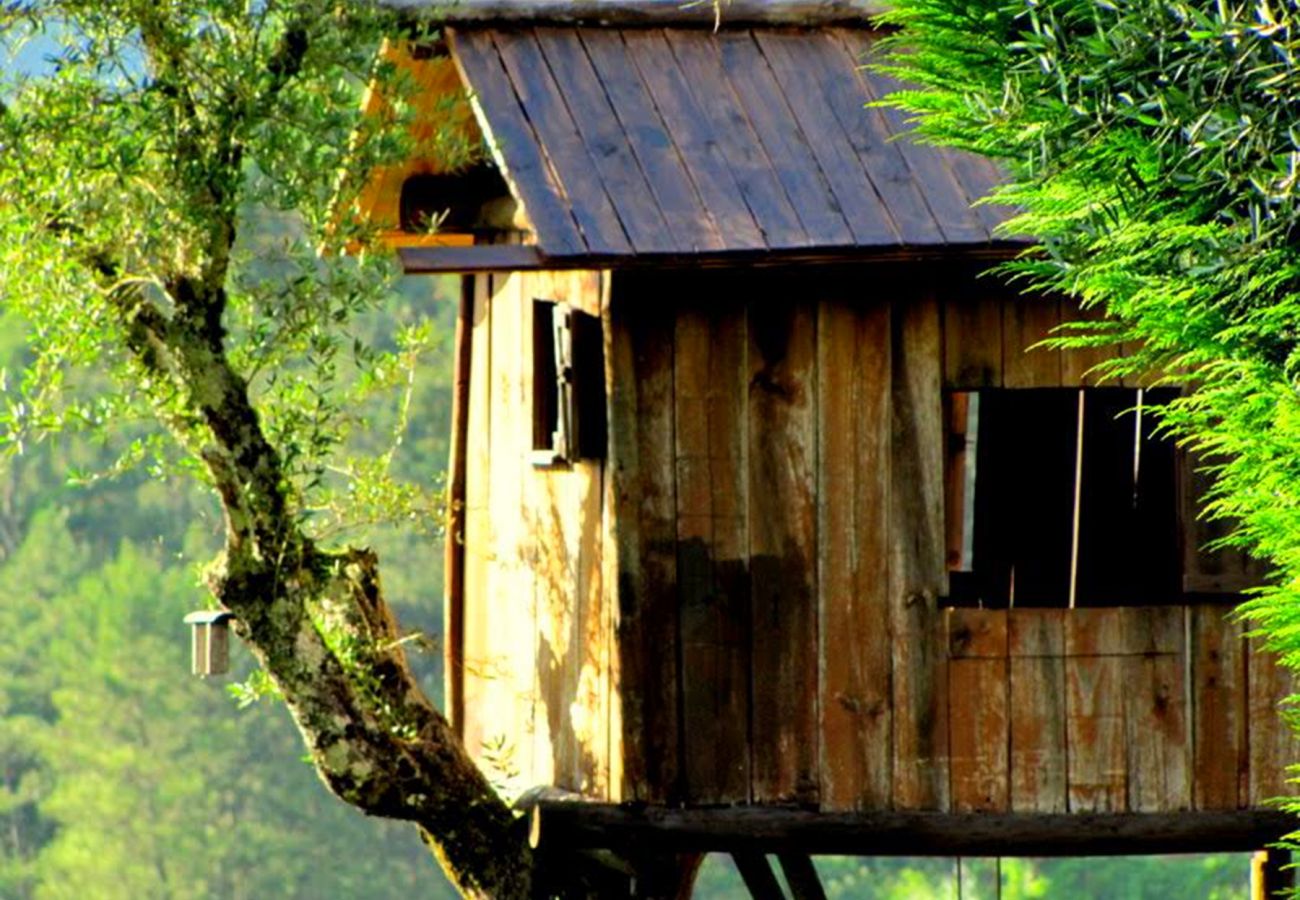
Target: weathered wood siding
(538, 632)
(742, 604)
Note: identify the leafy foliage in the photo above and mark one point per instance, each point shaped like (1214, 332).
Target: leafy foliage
(1153, 149)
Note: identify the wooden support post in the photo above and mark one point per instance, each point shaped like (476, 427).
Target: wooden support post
(758, 876)
(666, 877)
(801, 875)
(1271, 874)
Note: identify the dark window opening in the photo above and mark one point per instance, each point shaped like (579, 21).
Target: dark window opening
(1061, 497)
(568, 384)
(462, 202)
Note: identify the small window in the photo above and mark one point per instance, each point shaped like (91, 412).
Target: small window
(1061, 497)
(568, 385)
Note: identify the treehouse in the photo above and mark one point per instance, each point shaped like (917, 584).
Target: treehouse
(770, 531)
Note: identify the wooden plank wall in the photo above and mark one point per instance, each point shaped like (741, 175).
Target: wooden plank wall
(755, 440)
(743, 604)
(1138, 709)
(538, 643)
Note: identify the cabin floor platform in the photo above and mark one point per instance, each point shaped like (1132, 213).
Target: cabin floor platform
(580, 824)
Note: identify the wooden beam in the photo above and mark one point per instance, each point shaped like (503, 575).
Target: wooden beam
(454, 591)
(758, 876)
(524, 257)
(801, 876)
(1271, 874)
(649, 13)
(899, 833)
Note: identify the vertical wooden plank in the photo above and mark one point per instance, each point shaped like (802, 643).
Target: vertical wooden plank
(610, 526)
(477, 490)
(694, 137)
(509, 672)
(1095, 710)
(978, 712)
(614, 164)
(584, 709)
(856, 651)
(1274, 746)
(546, 495)
(1155, 709)
(1219, 757)
(645, 131)
(782, 532)
(1038, 761)
(972, 341)
(567, 156)
(1271, 875)
(917, 570)
(510, 136)
(1077, 363)
(641, 465)
(712, 546)
(1025, 322)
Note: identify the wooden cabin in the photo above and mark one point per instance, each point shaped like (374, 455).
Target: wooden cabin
(770, 530)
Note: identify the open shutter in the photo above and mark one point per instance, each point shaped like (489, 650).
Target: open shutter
(565, 381)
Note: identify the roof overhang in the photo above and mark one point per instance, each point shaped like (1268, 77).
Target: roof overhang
(431, 260)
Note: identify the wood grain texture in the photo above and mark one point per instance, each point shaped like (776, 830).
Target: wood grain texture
(917, 569)
(1026, 322)
(559, 140)
(931, 168)
(530, 177)
(1273, 743)
(1095, 726)
(979, 737)
(564, 514)
(693, 136)
(712, 548)
(976, 633)
(736, 139)
(753, 83)
(478, 486)
(782, 514)
(508, 701)
(885, 161)
(689, 220)
(972, 341)
(800, 64)
(855, 653)
(1219, 752)
(1156, 733)
(613, 161)
(1039, 754)
(642, 466)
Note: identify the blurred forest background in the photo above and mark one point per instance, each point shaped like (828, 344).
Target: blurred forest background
(121, 776)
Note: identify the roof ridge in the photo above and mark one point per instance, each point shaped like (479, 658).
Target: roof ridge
(631, 13)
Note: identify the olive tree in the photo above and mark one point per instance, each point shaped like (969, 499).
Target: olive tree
(127, 172)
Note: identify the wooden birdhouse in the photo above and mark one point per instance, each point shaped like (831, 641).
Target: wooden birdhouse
(209, 641)
(768, 526)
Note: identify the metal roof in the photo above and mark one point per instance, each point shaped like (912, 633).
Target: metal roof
(656, 143)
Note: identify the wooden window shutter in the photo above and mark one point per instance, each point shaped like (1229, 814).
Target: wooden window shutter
(568, 385)
(565, 378)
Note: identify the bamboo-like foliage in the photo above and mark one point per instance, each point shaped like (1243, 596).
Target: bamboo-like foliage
(1152, 148)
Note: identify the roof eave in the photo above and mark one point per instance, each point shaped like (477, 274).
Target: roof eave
(524, 258)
